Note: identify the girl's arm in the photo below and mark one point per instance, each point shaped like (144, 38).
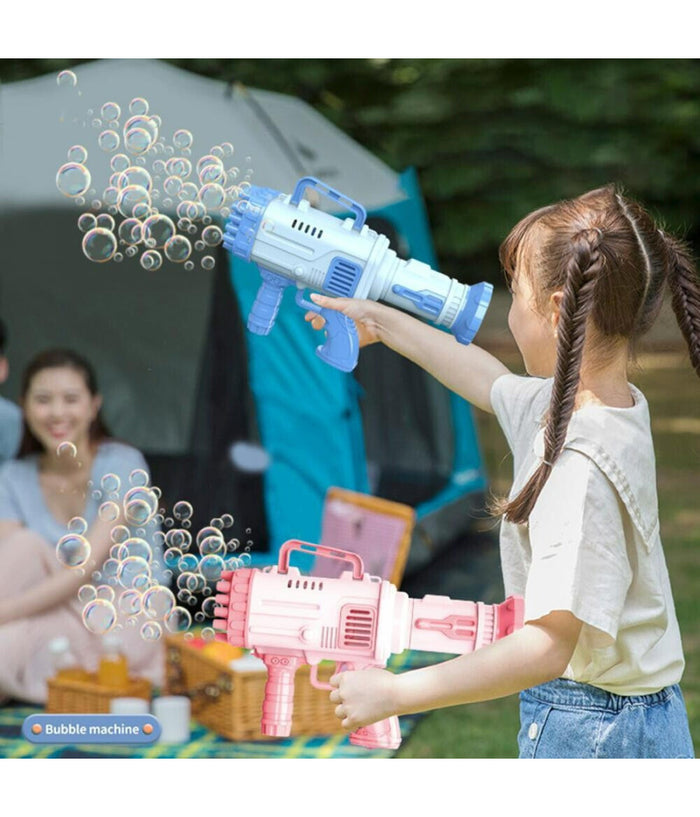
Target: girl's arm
(62, 585)
(537, 653)
(467, 370)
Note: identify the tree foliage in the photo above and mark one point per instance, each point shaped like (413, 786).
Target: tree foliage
(492, 139)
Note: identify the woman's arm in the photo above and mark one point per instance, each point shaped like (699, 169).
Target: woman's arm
(8, 526)
(538, 652)
(62, 585)
(467, 370)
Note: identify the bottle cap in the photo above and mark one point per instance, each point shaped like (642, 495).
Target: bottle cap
(111, 641)
(59, 644)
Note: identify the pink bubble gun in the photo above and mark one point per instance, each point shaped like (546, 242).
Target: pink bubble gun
(357, 620)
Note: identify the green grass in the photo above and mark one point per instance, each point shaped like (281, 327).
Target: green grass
(488, 730)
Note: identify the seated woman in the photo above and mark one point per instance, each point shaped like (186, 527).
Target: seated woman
(64, 456)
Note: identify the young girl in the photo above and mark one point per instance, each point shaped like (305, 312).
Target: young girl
(599, 659)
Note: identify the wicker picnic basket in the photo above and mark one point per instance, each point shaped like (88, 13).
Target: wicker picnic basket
(229, 700)
(88, 696)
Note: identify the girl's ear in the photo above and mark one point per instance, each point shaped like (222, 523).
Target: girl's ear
(555, 300)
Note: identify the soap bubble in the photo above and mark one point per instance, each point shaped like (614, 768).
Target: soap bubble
(119, 534)
(139, 478)
(66, 449)
(109, 511)
(130, 602)
(111, 196)
(178, 538)
(66, 79)
(137, 141)
(182, 139)
(210, 169)
(178, 620)
(108, 140)
(137, 176)
(130, 231)
(86, 593)
(212, 196)
(138, 105)
(135, 546)
(227, 519)
(151, 260)
(99, 616)
(206, 532)
(177, 249)
(160, 228)
(132, 197)
(73, 179)
(134, 572)
(86, 222)
(211, 545)
(172, 185)
(208, 606)
(208, 262)
(182, 510)
(140, 505)
(158, 602)
(73, 550)
(119, 163)
(227, 148)
(77, 153)
(110, 111)
(104, 592)
(151, 631)
(212, 235)
(105, 221)
(110, 483)
(77, 525)
(99, 245)
(179, 167)
(211, 566)
(187, 564)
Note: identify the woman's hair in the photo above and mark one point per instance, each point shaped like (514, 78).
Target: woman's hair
(612, 263)
(59, 359)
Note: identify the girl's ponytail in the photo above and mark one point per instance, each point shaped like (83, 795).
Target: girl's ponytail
(583, 268)
(685, 295)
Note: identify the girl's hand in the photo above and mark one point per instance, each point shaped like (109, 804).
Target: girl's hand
(366, 315)
(363, 697)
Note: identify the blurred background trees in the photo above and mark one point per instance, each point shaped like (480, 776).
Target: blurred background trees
(492, 139)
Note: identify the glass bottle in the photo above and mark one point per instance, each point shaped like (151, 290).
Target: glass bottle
(113, 670)
(64, 662)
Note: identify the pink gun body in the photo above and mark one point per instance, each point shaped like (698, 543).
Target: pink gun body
(356, 620)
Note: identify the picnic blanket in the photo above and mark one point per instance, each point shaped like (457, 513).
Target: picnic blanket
(205, 743)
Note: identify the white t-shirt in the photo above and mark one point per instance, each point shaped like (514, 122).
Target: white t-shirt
(592, 543)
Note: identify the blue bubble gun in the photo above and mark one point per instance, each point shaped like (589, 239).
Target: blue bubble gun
(293, 243)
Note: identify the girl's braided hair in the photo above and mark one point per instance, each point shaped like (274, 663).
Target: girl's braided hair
(611, 262)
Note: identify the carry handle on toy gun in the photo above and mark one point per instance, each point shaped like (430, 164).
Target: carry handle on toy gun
(356, 620)
(293, 243)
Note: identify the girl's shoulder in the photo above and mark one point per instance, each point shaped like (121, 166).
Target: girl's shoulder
(16, 469)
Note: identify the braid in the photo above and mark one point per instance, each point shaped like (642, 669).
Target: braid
(685, 295)
(583, 268)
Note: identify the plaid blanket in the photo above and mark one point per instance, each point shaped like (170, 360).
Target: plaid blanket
(203, 742)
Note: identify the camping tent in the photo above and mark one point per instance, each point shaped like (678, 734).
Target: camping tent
(182, 379)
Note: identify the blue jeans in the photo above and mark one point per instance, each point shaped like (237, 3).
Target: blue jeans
(566, 719)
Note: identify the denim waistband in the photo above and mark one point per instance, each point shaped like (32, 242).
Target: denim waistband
(563, 692)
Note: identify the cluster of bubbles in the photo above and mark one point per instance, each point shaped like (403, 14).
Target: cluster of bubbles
(150, 552)
(160, 203)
